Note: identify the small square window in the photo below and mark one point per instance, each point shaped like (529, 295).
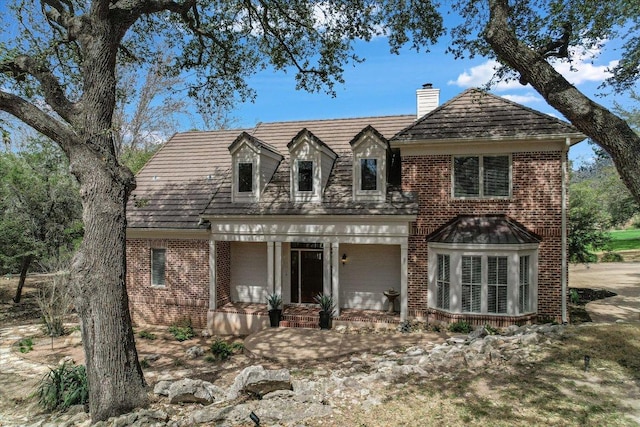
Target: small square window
(158, 266)
(305, 175)
(368, 174)
(245, 177)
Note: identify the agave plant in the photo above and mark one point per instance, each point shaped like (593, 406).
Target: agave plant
(275, 301)
(326, 303)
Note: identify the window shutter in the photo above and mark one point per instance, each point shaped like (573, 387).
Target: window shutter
(495, 176)
(158, 263)
(524, 305)
(442, 294)
(466, 172)
(471, 283)
(497, 284)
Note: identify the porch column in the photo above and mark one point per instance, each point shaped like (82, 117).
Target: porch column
(335, 275)
(326, 269)
(278, 269)
(212, 274)
(404, 298)
(270, 258)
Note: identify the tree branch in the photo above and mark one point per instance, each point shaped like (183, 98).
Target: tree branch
(23, 65)
(39, 120)
(601, 125)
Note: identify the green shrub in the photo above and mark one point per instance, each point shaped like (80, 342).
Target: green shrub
(62, 387)
(25, 345)
(147, 335)
(461, 327)
(575, 297)
(182, 330)
(490, 329)
(612, 257)
(221, 350)
(144, 363)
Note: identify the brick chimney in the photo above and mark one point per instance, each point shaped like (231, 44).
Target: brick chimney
(428, 99)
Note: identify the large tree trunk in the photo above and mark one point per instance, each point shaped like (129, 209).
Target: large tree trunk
(598, 123)
(116, 381)
(26, 262)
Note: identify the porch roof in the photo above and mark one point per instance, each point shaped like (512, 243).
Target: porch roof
(487, 230)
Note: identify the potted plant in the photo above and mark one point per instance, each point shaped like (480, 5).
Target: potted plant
(274, 302)
(327, 307)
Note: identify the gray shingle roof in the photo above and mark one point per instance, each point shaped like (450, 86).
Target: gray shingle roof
(486, 229)
(178, 183)
(475, 114)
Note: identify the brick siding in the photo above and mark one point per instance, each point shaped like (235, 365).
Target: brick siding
(186, 291)
(535, 202)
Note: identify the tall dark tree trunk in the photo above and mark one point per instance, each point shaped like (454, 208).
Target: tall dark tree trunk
(116, 381)
(598, 123)
(24, 269)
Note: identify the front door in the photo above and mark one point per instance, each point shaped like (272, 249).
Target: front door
(306, 272)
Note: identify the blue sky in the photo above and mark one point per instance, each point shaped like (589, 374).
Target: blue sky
(386, 84)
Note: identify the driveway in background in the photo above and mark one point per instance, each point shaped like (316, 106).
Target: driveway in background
(622, 278)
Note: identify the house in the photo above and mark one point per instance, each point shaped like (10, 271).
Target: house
(460, 209)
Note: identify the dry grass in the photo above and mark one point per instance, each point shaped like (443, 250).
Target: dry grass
(553, 389)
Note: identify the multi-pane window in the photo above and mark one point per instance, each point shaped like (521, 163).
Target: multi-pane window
(158, 266)
(524, 304)
(245, 177)
(443, 282)
(497, 284)
(305, 175)
(471, 284)
(481, 176)
(368, 174)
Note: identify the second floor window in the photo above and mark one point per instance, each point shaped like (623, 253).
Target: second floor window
(368, 174)
(305, 175)
(481, 176)
(245, 177)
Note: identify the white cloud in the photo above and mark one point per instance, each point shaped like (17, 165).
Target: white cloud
(580, 70)
(526, 99)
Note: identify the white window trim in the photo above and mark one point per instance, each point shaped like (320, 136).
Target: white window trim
(481, 177)
(252, 196)
(306, 196)
(513, 254)
(369, 148)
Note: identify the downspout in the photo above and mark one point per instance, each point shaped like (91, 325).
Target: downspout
(565, 175)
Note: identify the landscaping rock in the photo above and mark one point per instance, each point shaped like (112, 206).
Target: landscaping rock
(195, 352)
(196, 391)
(162, 388)
(259, 381)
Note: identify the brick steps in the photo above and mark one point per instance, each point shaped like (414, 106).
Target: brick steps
(300, 321)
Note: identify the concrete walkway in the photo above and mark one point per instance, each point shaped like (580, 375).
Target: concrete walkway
(621, 278)
(298, 344)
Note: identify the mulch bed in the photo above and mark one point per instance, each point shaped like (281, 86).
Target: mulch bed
(577, 311)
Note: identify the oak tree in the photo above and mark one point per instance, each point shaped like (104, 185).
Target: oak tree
(526, 37)
(58, 74)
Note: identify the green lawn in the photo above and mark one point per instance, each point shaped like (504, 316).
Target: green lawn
(622, 240)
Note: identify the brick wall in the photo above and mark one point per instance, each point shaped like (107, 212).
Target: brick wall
(535, 202)
(186, 290)
(223, 273)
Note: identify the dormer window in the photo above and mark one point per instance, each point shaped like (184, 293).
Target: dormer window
(311, 164)
(305, 175)
(368, 174)
(253, 164)
(245, 177)
(370, 153)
